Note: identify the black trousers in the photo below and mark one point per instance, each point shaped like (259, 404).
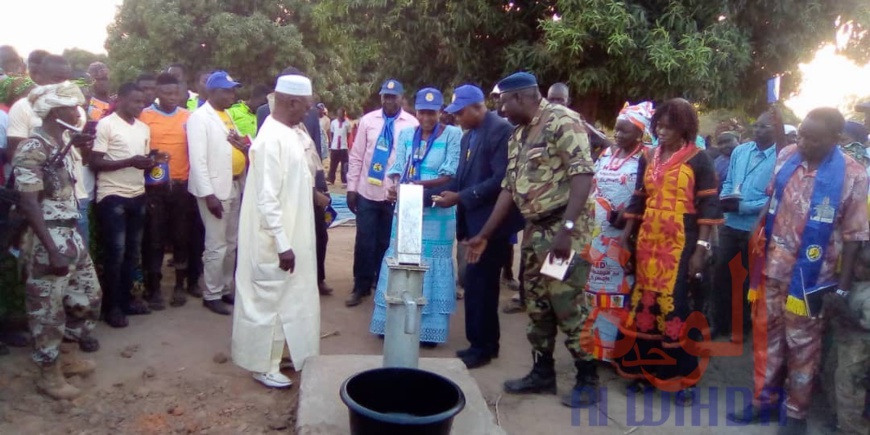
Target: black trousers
(337, 157)
(170, 219)
(374, 221)
(732, 243)
(322, 238)
(482, 285)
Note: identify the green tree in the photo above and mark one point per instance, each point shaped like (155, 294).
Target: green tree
(716, 52)
(80, 59)
(252, 39)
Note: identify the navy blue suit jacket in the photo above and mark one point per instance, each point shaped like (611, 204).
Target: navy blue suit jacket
(478, 179)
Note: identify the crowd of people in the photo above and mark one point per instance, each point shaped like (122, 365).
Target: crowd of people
(641, 229)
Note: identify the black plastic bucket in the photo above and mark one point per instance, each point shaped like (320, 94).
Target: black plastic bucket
(399, 401)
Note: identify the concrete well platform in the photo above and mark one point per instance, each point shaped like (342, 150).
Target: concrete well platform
(322, 412)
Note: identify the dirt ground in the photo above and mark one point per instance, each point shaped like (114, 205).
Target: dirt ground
(168, 373)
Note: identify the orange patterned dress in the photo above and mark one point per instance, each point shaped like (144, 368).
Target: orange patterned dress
(672, 200)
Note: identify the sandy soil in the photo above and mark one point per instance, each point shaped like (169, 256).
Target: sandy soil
(168, 373)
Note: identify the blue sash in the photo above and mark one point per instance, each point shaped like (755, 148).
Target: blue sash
(419, 150)
(383, 150)
(825, 200)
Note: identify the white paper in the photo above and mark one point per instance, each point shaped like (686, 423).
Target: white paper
(557, 269)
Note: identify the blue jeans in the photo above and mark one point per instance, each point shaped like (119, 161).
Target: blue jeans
(84, 225)
(374, 220)
(121, 223)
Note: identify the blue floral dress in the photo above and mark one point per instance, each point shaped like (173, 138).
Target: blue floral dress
(439, 233)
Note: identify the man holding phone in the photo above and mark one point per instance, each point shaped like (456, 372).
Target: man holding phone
(120, 156)
(217, 165)
(744, 194)
(171, 210)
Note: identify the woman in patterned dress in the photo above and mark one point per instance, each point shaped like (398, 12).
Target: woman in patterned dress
(674, 209)
(427, 155)
(610, 283)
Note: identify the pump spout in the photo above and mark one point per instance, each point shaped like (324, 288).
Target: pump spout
(410, 313)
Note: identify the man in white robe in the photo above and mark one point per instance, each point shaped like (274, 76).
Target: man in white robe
(277, 300)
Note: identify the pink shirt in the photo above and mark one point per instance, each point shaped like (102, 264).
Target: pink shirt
(360, 158)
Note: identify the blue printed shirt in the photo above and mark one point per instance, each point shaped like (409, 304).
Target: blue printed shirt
(749, 174)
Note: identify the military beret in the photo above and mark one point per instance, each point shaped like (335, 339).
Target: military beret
(517, 81)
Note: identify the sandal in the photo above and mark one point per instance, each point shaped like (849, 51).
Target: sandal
(89, 344)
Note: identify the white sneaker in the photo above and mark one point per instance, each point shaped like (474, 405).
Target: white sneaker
(273, 380)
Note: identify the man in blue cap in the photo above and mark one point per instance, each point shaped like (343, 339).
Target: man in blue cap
(217, 164)
(475, 190)
(548, 177)
(373, 152)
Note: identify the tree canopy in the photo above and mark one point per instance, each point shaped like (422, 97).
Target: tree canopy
(80, 59)
(718, 53)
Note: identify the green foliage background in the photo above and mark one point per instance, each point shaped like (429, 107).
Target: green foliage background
(718, 53)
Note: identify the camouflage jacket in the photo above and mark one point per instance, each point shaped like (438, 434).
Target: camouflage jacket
(56, 185)
(542, 158)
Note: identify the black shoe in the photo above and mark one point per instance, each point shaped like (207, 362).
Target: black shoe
(754, 414)
(793, 426)
(354, 299)
(585, 391)
(89, 344)
(116, 318)
(156, 303)
(137, 307)
(179, 297)
(217, 306)
(324, 289)
(194, 290)
(465, 352)
(541, 380)
(428, 345)
(474, 360)
(229, 299)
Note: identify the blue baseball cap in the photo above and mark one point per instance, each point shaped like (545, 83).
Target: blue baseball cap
(392, 87)
(517, 82)
(465, 96)
(429, 99)
(221, 80)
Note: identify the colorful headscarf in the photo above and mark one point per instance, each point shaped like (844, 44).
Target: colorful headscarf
(14, 88)
(45, 98)
(640, 115)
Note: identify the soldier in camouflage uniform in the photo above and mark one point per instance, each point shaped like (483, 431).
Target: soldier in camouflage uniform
(548, 178)
(850, 328)
(62, 294)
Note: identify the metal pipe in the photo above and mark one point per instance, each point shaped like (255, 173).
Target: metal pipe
(410, 313)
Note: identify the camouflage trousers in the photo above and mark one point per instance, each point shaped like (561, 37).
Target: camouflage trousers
(852, 361)
(551, 303)
(60, 306)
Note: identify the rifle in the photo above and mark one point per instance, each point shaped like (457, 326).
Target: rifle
(12, 223)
